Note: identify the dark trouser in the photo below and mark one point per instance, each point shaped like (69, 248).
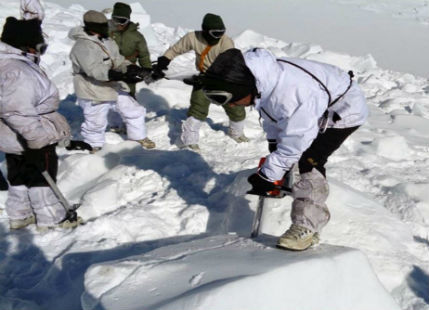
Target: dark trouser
(3, 183)
(20, 172)
(310, 193)
(200, 108)
(132, 89)
(322, 147)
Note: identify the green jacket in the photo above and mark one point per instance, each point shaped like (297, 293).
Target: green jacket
(132, 45)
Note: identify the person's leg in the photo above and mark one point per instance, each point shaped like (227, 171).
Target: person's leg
(197, 114)
(237, 115)
(191, 132)
(133, 115)
(94, 126)
(3, 183)
(45, 204)
(18, 206)
(309, 210)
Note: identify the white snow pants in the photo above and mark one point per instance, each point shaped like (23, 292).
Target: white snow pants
(191, 130)
(95, 123)
(309, 208)
(23, 202)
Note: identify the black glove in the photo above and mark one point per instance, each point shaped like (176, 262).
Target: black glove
(36, 158)
(272, 145)
(260, 184)
(78, 145)
(157, 74)
(194, 80)
(135, 74)
(162, 63)
(115, 75)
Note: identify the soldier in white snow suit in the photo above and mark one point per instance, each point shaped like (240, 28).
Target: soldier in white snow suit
(99, 72)
(308, 110)
(30, 127)
(207, 45)
(30, 9)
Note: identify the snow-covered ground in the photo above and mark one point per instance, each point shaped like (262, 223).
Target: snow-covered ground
(168, 228)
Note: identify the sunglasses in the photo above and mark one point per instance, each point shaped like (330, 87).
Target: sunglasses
(217, 33)
(41, 48)
(120, 20)
(218, 97)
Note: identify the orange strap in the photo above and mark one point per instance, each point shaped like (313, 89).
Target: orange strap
(203, 56)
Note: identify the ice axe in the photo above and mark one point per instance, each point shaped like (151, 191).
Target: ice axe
(71, 213)
(283, 188)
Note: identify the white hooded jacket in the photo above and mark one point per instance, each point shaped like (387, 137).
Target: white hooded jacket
(28, 104)
(91, 60)
(292, 104)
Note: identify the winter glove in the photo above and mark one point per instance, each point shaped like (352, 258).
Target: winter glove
(163, 63)
(36, 158)
(78, 145)
(135, 74)
(260, 184)
(195, 81)
(115, 75)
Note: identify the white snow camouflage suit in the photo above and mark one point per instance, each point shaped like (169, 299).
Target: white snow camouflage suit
(92, 59)
(28, 113)
(291, 106)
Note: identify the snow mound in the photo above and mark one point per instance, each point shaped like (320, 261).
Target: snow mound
(228, 272)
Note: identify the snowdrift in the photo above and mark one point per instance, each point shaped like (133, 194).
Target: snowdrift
(228, 272)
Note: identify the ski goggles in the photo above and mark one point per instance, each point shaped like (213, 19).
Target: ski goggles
(118, 20)
(217, 33)
(41, 48)
(218, 97)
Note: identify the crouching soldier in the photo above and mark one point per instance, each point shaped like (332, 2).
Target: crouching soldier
(30, 128)
(308, 110)
(99, 72)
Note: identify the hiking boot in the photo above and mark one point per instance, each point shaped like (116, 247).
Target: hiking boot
(118, 130)
(192, 147)
(237, 138)
(298, 238)
(147, 143)
(67, 224)
(18, 224)
(95, 150)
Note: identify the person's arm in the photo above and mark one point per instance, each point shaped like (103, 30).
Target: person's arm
(185, 44)
(295, 135)
(143, 53)
(19, 112)
(31, 9)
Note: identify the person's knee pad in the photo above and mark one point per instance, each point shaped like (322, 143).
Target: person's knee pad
(312, 186)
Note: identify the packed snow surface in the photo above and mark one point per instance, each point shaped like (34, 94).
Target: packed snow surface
(171, 225)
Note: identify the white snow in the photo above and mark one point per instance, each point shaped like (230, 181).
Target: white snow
(168, 228)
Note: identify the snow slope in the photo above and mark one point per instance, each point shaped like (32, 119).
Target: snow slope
(164, 208)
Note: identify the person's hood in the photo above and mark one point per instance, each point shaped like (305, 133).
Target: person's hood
(266, 70)
(9, 52)
(78, 32)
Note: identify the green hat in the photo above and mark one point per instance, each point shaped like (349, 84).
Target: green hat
(212, 21)
(121, 10)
